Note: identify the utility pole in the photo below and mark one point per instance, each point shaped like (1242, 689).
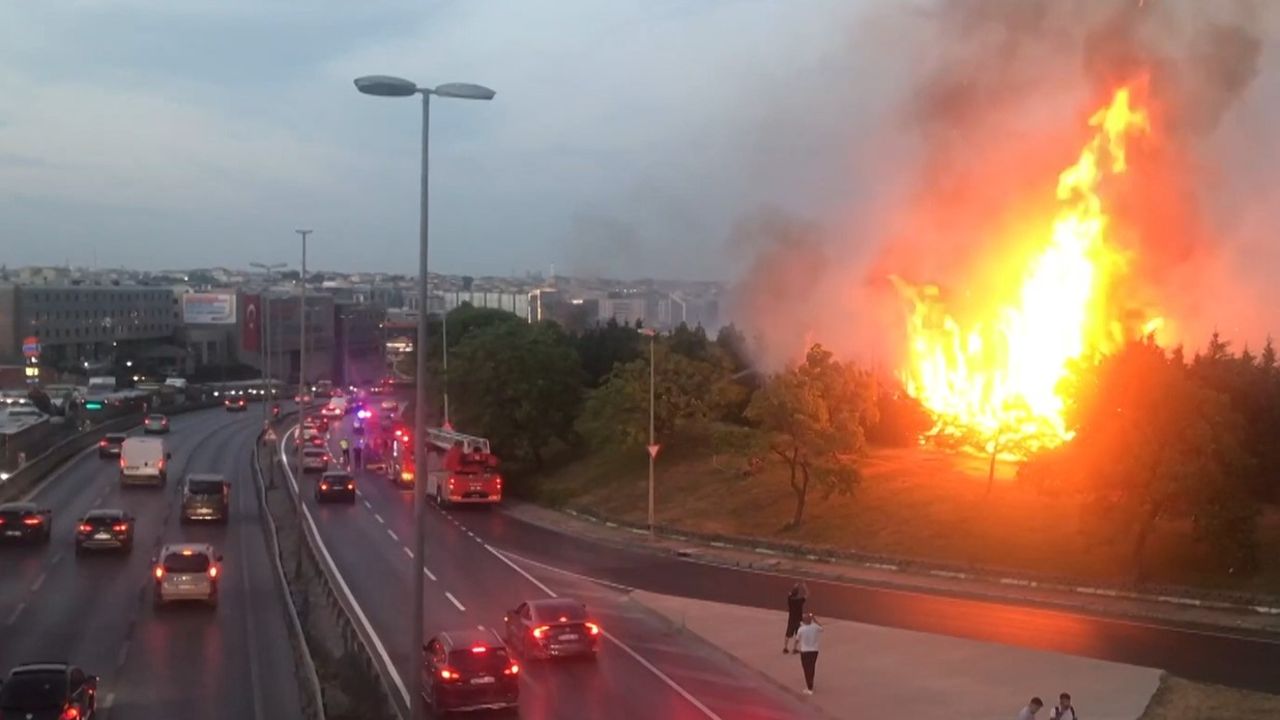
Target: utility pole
(302, 370)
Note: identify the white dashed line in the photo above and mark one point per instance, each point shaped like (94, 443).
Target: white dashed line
(39, 581)
(16, 612)
(428, 574)
(111, 699)
(368, 504)
(393, 535)
(407, 551)
(56, 558)
(455, 602)
(378, 517)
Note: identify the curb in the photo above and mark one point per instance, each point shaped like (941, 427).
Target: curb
(1180, 596)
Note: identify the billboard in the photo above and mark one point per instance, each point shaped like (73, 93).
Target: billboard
(251, 330)
(209, 308)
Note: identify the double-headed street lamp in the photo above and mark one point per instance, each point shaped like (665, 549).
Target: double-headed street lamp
(302, 368)
(265, 312)
(387, 86)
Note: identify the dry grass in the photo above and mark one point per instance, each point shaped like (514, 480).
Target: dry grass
(1179, 699)
(912, 503)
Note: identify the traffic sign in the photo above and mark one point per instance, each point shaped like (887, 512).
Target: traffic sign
(653, 450)
(31, 346)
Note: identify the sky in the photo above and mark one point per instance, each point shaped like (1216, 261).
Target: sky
(627, 138)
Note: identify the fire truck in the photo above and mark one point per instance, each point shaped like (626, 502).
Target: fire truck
(465, 473)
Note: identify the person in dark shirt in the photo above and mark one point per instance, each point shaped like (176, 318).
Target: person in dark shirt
(795, 613)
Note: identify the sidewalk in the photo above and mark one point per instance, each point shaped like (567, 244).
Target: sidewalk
(866, 671)
(955, 584)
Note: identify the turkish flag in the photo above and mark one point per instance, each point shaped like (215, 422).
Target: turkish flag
(251, 327)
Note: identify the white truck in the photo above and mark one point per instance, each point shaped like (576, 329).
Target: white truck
(144, 461)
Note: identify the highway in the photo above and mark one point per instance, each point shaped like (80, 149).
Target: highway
(481, 557)
(95, 611)
(644, 670)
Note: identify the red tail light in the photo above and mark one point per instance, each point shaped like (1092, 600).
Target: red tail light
(541, 631)
(593, 629)
(71, 713)
(449, 674)
(121, 460)
(120, 527)
(1, 521)
(479, 649)
(513, 669)
(452, 480)
(159, 572)
(102, 442)
(32, 520)
(85, 528)
(324, 485)
(213, 572)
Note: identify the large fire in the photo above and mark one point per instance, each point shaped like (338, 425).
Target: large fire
(993, 382)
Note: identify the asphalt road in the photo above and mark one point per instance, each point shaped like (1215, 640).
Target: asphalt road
(95, 611)
(644, 670)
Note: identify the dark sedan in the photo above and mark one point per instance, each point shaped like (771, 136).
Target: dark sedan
(336, 486)
(236, 404)
(48, 691)
(104, 529)
(109, 445)
(552, 627)
(24, 522)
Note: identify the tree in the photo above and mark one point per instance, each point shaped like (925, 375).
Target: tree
(733, 344)
(1153, 443)
(519, 385)
(686, 392)
(690, 342)
(814, 418)
(604, 347)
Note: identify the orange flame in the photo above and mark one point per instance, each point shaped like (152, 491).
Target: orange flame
(995, 383)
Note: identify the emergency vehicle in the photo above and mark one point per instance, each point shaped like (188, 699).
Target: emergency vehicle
(465, 470)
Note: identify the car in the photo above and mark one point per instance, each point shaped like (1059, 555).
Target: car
(109, 445)
(155, 424)
(48, 691)
(552, 627)
(336, 486)
(389, 406)
(25, 522)
(206, 497)
(186, 571)
(144, 460)
(469, 670)
(235, 404)
(104, 529)
(315, 459)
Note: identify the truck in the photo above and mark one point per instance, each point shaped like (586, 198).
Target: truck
(99, 384)
(467, 472)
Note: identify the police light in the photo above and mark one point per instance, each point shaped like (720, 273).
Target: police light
(364, 414)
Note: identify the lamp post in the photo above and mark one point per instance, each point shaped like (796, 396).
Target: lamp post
(653, 447)
(302, 368)
(386, 86)
(265, 310)
(444, 348)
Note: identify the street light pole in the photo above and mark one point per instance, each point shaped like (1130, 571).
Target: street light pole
(302, 369)
(652, 437)
(385, 86)
(265, 318)
(444, 347)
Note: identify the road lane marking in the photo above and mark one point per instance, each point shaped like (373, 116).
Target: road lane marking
(56, 558)
(393, 535)
(367, 504)
(39, 581)
(455, 602)
(111, 699)
(251, 632)
(427, 572)
(708, 712)
(552, 568)
(342, 583)
(16, 612)
(379, 518)
(407, 551)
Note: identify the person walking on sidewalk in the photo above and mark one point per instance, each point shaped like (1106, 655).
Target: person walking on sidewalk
(1029, 712)
(795, 613)
(1063, 710)
(810, 635)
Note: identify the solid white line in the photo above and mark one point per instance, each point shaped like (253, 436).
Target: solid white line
(39, 581)
(407, 551)
(562, 571)
(379, 518)
(636, 656)
(393, 535)
(342, 584)
(16, 612)
(62, 469)
(455, 602)
(427, 572)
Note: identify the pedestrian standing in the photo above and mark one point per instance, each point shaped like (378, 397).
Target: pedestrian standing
(795, 613)
(1064, 710)
(810, 635)
(1029, 712)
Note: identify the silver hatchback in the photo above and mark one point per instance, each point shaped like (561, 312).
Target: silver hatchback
(187, 571)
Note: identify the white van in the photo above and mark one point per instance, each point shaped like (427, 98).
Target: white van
(144, 461)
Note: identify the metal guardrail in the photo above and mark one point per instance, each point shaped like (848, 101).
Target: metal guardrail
(312, 693)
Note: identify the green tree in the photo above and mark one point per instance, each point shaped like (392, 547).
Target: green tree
(519, 385)
(686, 391)
(604, 347)
(1154, 443)
(733, 343)
(814, 418)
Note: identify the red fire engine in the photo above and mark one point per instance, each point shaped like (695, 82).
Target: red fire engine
(467, 471)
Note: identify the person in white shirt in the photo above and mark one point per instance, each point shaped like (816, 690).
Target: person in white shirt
(810, 635)
(1064, 709)
(1029, 712)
